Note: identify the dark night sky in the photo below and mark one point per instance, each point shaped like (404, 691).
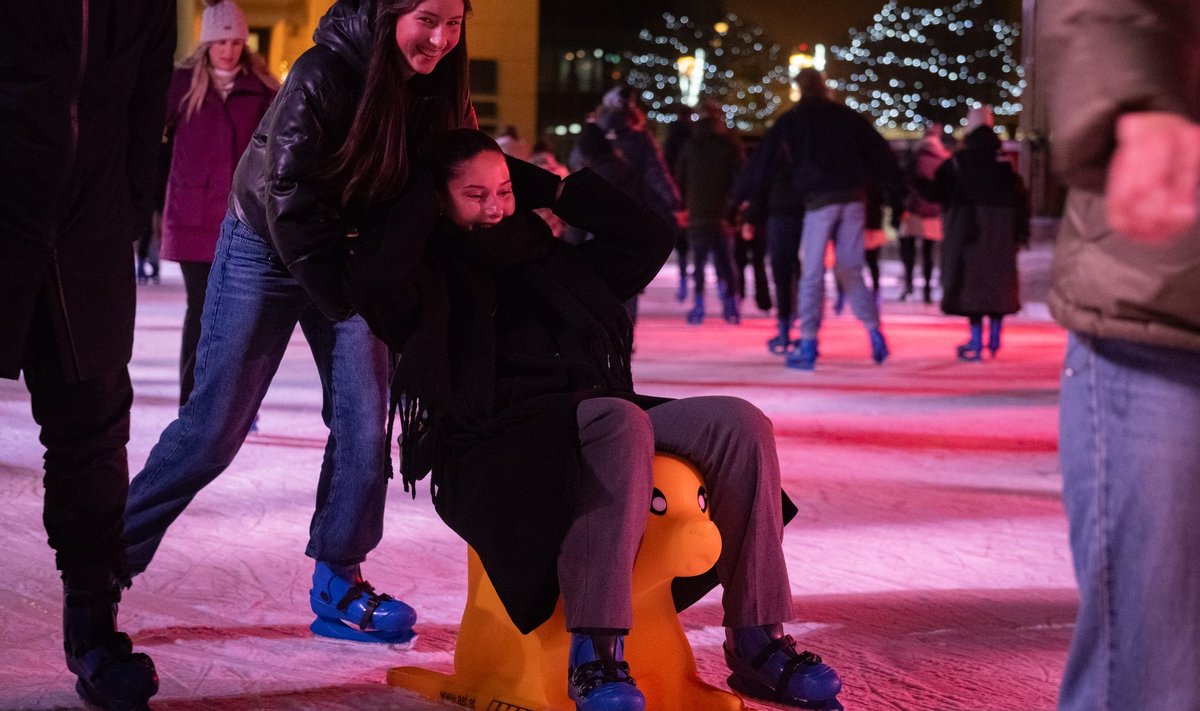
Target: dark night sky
(790, 22)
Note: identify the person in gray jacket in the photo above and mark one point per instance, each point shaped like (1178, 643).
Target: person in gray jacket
(1127, 285)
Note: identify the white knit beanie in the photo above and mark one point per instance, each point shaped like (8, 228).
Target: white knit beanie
(223, 21)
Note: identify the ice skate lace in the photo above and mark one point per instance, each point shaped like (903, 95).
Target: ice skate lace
(587, 677)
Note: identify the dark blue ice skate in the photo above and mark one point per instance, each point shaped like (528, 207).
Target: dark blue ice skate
(803, 356)
(347, 607)
(779, 344)
(598, 676)
(972, 350)
(110, 674)
(879, 347)
(776, 672)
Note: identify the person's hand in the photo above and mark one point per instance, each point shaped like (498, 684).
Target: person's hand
(747, 231)
(1154, 176)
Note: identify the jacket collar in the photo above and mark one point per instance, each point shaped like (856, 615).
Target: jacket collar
(346, 30)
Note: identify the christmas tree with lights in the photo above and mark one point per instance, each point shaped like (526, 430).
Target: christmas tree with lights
(730, 61)
(920, 64)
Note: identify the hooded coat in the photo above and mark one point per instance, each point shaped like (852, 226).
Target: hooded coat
(985, 212)
(82, 88)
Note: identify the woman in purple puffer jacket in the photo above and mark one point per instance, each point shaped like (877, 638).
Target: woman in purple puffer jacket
(216, 99)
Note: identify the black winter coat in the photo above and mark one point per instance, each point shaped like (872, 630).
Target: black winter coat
(276, 188)
(82, 100)
(505, 483)
(706, 171)
(830, 153)
(985, 219)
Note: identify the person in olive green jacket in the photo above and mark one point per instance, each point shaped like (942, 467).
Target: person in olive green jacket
(1126, 140)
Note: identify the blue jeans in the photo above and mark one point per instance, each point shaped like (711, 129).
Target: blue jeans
(844, 224)
(250, 311)
(1130, 420)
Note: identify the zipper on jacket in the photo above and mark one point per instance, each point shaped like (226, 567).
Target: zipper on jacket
(72, 157)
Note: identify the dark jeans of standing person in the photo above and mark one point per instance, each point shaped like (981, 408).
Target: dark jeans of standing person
(195, 283)
(783, 246)
(871, 256)
(84, 428)
(752, 252)
(908, 255)
(681, 256)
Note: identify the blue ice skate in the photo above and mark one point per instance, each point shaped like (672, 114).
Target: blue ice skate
(772, 670)
(599, 677)
(879, 347)
(803, 356)
(347, 607)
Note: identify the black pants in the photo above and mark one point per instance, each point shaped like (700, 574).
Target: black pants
(908, 255)
(783, 247)
(195, 282)
(84, 427)
(871, 256)
(752, 253)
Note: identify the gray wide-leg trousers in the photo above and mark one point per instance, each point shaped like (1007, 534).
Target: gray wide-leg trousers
(732, 443)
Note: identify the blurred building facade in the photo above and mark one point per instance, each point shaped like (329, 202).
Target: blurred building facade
(582, 50)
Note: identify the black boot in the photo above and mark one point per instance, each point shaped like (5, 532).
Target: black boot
(111, 675)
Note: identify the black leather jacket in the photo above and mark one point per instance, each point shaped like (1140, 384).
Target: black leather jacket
(275, 188)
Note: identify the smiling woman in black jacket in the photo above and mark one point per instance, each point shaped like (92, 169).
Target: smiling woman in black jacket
(515, 380)
(329, 153)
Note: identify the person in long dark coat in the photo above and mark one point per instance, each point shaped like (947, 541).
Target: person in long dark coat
(82, 88)
(986, 219)
(516, 389)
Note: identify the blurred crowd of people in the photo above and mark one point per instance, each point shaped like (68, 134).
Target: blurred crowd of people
(821, 191)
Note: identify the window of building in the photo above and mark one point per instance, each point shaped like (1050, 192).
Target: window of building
(485, 92)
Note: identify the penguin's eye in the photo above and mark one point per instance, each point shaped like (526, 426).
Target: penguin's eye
(702, 499)
(658, 503)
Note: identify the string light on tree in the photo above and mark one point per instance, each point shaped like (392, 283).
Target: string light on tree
(730, 61)
(921, 64)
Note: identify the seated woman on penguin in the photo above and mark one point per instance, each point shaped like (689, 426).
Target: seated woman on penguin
(515, 390)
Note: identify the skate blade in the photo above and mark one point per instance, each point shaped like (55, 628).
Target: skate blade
(94, 701)
(337, 629)
(756, 690)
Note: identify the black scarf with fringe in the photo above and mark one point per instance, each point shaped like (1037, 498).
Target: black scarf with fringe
(445, 381)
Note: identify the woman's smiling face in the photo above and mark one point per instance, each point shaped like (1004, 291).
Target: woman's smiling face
(428, 33)
(479, 194)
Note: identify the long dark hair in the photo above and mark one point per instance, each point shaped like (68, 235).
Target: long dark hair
(444, 152)
(373, 162)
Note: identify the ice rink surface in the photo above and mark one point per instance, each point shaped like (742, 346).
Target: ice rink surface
(929, 562)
